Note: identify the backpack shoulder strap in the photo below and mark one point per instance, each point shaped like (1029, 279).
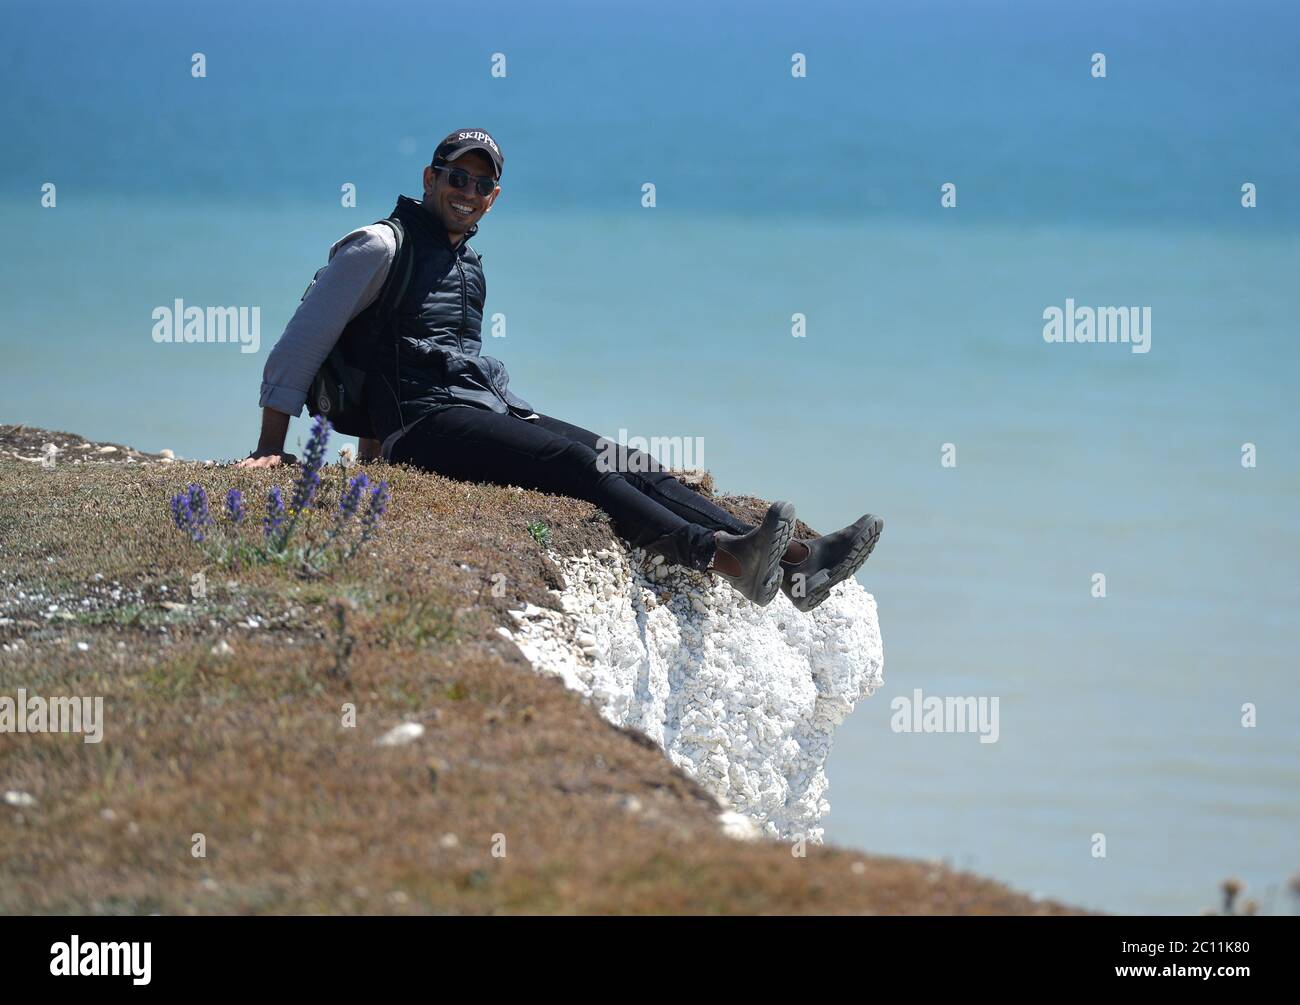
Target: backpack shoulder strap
(395, 271)
(398, 279)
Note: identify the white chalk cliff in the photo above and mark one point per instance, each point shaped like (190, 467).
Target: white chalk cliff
(744, 699)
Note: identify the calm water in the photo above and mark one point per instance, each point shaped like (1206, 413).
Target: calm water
(819, 196)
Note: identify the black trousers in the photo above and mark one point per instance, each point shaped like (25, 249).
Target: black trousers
(649, 507)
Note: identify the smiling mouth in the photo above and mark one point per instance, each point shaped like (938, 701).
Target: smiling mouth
(462, 209)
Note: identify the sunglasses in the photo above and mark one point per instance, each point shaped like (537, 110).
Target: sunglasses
(459, 178)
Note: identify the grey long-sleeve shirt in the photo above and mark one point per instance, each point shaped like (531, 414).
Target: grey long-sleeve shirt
(349, 284)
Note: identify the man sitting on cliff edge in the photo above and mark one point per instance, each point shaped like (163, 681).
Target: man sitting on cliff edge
(437, 403)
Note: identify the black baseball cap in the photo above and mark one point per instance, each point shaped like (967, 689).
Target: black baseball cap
(462, 141)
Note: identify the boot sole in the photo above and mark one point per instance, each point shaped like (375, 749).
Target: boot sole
(783, 516)
(847, 566)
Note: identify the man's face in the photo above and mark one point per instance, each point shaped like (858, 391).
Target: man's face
(459, 209)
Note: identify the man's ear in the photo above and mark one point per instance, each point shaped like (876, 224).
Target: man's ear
(430, 177)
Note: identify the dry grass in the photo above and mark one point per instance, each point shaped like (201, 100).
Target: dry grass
(299, 812)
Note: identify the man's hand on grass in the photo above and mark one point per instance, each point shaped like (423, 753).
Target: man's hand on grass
(270, 445)
(258, 459)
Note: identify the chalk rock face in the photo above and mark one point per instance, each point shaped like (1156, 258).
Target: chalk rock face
(745, 699)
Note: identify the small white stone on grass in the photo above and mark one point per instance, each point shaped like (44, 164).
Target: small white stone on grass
(20, 799)
(738, 826)
(407, 732)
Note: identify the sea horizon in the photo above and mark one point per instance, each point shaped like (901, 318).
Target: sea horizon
(922, 330)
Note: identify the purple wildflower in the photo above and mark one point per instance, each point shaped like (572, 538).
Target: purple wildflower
(190, 511)
(199, 510)
(181, 511)
(313, 457)
(235, 506)
(378, 507)
(274, 522)
(351, 500)
(378, 503)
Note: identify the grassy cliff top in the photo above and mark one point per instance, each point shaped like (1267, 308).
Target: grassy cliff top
(224, 718)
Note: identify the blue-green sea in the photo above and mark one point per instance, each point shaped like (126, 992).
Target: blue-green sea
(778, 195)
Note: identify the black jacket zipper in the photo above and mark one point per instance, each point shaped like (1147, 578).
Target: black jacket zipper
(464, 304)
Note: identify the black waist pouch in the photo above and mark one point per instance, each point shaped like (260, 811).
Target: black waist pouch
(339, 394)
